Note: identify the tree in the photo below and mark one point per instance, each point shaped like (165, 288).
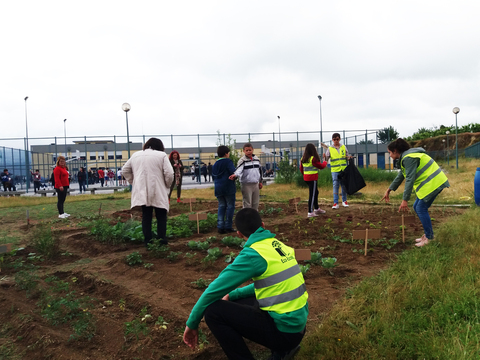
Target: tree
(362, 142)
(387, 134)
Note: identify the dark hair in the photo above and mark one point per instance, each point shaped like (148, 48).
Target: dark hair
(336, 135)
(154, 144)
(37, 170)
(247, 145)
(5, 170)
(310, 151)
(400, 145)
(170, 157)
(222, 150)
(248, 221)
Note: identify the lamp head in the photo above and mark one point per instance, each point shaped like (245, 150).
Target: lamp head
(26, 97)
(126, 107)
(456, 110)
(278, 117)
(319, 97)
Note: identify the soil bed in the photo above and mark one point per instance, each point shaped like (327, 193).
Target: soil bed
(168, 288)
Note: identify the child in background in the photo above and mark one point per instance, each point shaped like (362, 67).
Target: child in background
(249, 171)
(309, 166)
(224, 190)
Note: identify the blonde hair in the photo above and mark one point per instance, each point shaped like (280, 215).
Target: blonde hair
(60, 158)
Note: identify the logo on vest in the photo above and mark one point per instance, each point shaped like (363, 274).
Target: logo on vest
(278, 246)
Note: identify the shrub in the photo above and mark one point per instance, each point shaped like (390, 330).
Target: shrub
(45, 242)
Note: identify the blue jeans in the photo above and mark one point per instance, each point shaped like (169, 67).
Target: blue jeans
(226, 208)
(421, 208)
(81, 185)
(336, 185)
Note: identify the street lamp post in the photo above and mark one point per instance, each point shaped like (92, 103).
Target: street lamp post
(321, 135)
(448, 148)
(27, 155)
(444, 152)
(456, 110)
(65, 136)
(279, 139)
(126, 107)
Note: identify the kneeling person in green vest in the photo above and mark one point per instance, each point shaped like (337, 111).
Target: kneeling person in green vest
(272, 311)
(422, 175)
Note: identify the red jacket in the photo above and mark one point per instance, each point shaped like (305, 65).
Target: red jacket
(101, 174)
(61, 177)
(312, 177)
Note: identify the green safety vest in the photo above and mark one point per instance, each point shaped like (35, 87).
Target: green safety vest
(281, 288)
(338, 159)
(308, 168)
(428, 175)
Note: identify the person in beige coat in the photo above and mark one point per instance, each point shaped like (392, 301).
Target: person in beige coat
(151, 174)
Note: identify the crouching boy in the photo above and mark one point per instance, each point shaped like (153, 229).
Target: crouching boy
(272, 311)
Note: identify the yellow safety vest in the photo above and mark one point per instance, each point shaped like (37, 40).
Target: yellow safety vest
(428, 175)
(338, 159)
(281, 288)
(308, 168)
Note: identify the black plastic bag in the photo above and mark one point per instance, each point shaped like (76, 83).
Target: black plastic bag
(352, 179)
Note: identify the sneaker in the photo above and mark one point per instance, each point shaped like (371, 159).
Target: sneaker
(66, 215)
(231, 230)
(178, 200)
(62, 216)
(335, 206)
(424, 242)
(221, 231)
(312, 214)
(345, 204)
(319, 211)
(420, 238)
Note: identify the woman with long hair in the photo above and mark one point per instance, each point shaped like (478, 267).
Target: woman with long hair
(177, 166)
(423, 175)
(309, 166)
(60, 174)
(150, 173)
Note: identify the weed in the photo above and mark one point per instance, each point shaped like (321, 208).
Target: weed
(198, 245)
(27, 279)
(45, 241)
(122, 304)
(202, 339)
(308, 243)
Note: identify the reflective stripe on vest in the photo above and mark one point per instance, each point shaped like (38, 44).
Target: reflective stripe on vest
(308, 168)
(428, 175)
(281, 288)
(338, 159)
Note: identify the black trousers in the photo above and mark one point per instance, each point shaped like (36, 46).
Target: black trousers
(231, 321)
(161, 215)
(61, 196)
(312, 195)
(36, 186)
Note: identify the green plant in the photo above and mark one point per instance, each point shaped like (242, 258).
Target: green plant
(231, 241)
(316, 258)
(147, 265)
(138, 326)
(198, 245)
(304, 268)
(134, 258)
(173, 256)
(190, 258)
(201, 283)
(213, 254)
(45, 241)
(156, 249)
(230, 257)
(27, 278)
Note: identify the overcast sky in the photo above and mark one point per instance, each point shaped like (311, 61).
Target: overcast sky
(189, 67)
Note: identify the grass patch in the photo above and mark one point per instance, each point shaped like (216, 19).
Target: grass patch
(425, 306)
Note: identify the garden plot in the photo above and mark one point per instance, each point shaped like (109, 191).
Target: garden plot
(107, 297)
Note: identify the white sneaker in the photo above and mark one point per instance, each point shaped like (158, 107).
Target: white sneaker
(319, 211)
(66, 215)
(312, 214)
(345, 204)
(335, 206)
(421, 238)
(424, 242)
(62, 216)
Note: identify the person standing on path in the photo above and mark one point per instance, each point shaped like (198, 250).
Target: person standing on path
(422, 175)
(101, 176)
(37, 178)
(309, 166)
(177, 166)
(82, 179)
(338, 155)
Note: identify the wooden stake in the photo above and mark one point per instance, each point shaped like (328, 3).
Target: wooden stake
(404, 220)
(100, 209)
(366, 234)
(294, 201)
(28, 218)
(197, 217)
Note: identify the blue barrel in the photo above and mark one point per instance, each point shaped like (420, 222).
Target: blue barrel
(476, 186)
